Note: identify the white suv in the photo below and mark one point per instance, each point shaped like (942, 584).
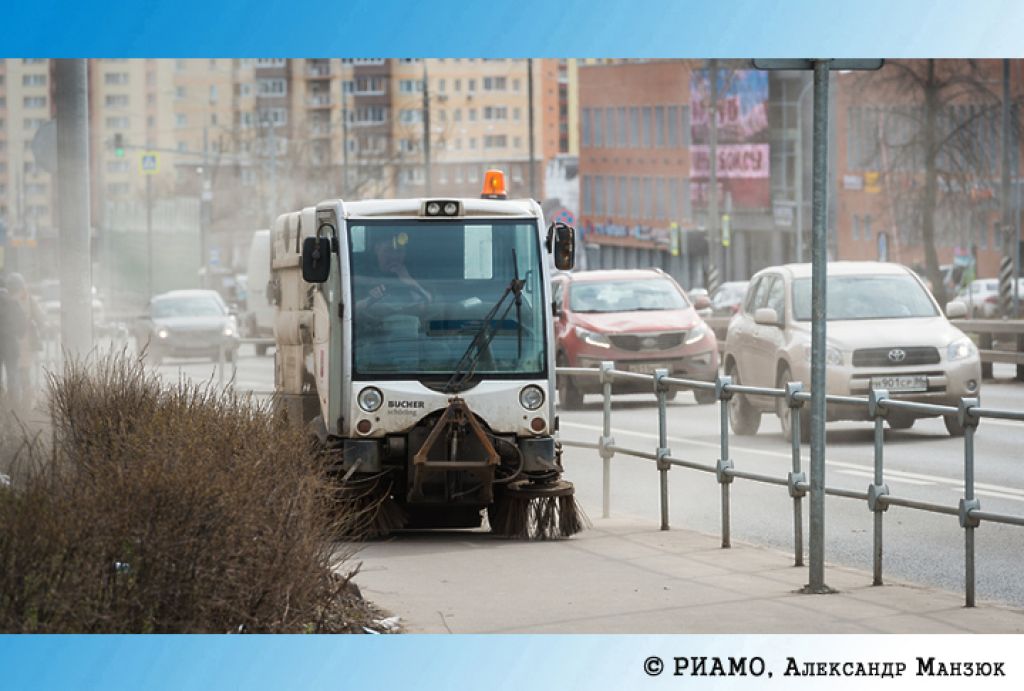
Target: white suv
(884, 331)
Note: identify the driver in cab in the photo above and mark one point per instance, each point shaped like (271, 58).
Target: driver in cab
(386, 283)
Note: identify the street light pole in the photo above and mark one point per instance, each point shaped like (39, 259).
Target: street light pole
(799, 170)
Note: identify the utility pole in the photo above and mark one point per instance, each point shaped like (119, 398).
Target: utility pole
(205, 198)
(426, 131)
(1007, 278)
(71, 98)
(529, 98)
(715, 249)
(149, 236)
(344, 134)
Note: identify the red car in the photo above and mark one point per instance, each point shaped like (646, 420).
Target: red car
(640, 319)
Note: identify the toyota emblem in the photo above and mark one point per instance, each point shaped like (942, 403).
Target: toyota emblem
(897, 355)
(649, 342)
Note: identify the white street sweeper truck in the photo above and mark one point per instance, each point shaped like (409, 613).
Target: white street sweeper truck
(414, 339)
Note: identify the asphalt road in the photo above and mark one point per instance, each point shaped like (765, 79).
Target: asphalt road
(922, 464)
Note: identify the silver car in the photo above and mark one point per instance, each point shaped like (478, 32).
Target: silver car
(885, 331)
(188, 323)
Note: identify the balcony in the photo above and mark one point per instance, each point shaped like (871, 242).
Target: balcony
(319, 101)
(318, 70)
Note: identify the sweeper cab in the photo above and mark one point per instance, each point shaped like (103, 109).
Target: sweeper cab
(415, 340)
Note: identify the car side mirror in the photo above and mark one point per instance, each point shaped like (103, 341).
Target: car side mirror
(766, 316)
(956, 310)
(702, 303)
(316, 259)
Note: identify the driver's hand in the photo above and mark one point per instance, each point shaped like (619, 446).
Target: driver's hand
(377, 292)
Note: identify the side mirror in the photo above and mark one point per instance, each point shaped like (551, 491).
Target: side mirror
(562, 243)
(956, 310)
(702, 303)
(316, 259)
(766, 316)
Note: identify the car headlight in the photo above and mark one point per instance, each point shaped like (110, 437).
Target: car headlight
(833, 356)
(229, 331)
(592, 338)
(696, 333)
(531, 397)
(960, 349)
(370, 398)
(163, 333)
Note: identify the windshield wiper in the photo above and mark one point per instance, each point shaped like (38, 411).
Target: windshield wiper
(482, 339)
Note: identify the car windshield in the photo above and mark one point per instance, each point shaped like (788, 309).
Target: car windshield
(199, 306)
(423, 291)
(865, 297)
(626, 296)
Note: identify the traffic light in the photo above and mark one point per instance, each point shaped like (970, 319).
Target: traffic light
(119, 145)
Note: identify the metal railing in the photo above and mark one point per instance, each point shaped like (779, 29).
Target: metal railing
(969, 413)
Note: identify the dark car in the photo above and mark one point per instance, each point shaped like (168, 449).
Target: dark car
(727, 299)
(188, 323)
(639, 319)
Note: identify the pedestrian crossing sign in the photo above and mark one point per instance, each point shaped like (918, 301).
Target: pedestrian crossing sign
(149, 163)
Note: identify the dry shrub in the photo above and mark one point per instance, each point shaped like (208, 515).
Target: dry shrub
(167, 508)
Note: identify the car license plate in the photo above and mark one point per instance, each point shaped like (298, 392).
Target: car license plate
(645, 367)
(897, 383)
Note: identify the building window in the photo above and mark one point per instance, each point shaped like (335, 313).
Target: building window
(584, 127)
(472, 114)
(645, 126)
(273, 116)
(213, 93)
(495, 141)
(180, 120)
(588, 209)
(855, 227)
(441, 83)
(40, 101)
(598, 128)
(659, 126)
(673, 127)
(623, 129)
(270, 62)
(470, 85)
(609, 196)
(179, 92)
(516, 114)
(33, 80)
(119, 166)
(634, 127)
(495, 112)
(610, 135)
(659, 198)
(115, 78)
(599, 195)
(684, 127)
(116, 123)
(410, 116)
(410, 86)
(648, 200)
(370, 85)
(495, 83)
(271, 87)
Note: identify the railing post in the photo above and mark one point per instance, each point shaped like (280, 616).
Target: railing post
(724, 462)
(796, 476)
(663, 450)
(606, 442)
(876, 410)
(969, 503)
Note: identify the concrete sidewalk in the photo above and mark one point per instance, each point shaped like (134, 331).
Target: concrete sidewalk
(621, 576)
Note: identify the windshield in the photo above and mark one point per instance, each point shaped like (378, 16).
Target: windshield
(421, 291)
(730, 293)
(865, 297)
(626, 296)
(187, 307)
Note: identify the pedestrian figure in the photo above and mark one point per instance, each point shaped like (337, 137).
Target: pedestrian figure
(12, 328)
(30, 341)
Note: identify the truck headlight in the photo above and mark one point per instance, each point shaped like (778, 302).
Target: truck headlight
(592, 338)
(531, 397)
(370, 398)
(696, 333)
(960, 349)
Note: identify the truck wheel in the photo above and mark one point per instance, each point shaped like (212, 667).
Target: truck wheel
(743, 417)
(901, 421)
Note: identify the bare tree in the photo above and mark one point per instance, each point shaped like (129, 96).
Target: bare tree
(930, 129)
